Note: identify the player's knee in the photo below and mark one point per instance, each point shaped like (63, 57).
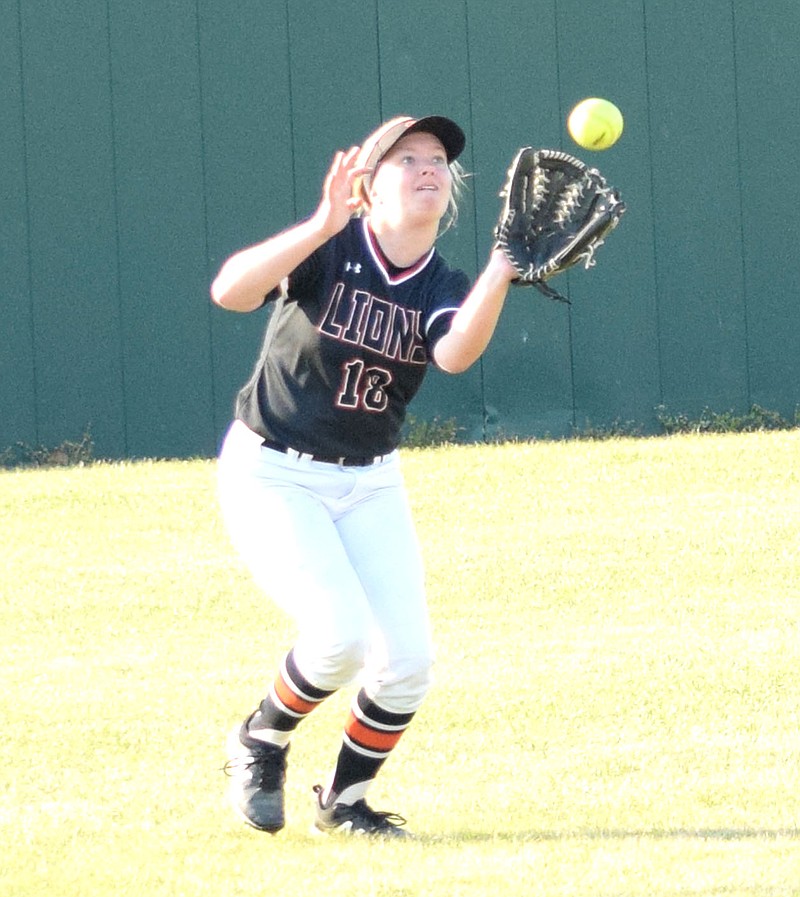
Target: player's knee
(338, 662)
(406, 686)
(418, 681)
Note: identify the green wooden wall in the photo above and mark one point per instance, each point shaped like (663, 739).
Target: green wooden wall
(142, 143)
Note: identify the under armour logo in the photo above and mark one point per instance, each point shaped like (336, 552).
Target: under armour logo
(351, 267)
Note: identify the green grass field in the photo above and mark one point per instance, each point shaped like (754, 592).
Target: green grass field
(616, 708)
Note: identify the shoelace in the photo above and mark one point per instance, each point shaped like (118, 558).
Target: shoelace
(376, 820)
(268, 769)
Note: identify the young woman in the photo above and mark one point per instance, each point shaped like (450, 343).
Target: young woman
(310, 481)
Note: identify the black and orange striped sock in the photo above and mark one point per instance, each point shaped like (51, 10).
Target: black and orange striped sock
(370, 735)
(289, 702)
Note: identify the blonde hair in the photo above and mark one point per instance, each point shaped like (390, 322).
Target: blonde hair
(458, 184)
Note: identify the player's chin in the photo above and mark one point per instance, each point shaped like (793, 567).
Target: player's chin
(430, 202)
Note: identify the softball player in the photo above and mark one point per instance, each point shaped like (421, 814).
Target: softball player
(310, 482)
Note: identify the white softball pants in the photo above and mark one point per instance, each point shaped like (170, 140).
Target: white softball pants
(335, 547)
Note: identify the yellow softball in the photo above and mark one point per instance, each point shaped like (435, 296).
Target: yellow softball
(595, 124)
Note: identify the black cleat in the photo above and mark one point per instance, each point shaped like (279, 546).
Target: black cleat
(258, 772)
(357, 819)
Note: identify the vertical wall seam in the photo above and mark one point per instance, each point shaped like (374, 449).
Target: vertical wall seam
(28, 228)
(117, 236)
(292, 153)
(654, 242)
(215, 423)
(378, 51)
(740, 194)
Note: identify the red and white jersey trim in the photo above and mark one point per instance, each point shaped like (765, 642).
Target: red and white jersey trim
(381, 262)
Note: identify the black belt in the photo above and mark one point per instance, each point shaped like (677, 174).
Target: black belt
(342, 461)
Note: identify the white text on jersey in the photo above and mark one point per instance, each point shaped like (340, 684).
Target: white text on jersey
(384, 327)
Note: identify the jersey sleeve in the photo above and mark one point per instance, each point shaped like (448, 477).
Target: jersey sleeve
(440, 317)
(307, 276)
(274, 294)
(303, 279)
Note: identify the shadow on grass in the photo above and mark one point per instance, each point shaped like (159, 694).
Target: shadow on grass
(717, 834)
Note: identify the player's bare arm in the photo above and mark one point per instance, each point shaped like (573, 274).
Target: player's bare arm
(475, 322)
(246, 278)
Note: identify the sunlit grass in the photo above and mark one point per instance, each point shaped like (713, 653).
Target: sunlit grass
(616, 707)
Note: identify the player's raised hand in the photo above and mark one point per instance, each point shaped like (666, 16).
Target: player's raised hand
(249, 275)
(338, 204)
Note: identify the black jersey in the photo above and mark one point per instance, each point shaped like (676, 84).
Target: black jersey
(347, 347)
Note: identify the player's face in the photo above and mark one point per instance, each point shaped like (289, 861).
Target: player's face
(414, 177)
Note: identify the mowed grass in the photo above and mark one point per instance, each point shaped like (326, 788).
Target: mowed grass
(616, 708)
